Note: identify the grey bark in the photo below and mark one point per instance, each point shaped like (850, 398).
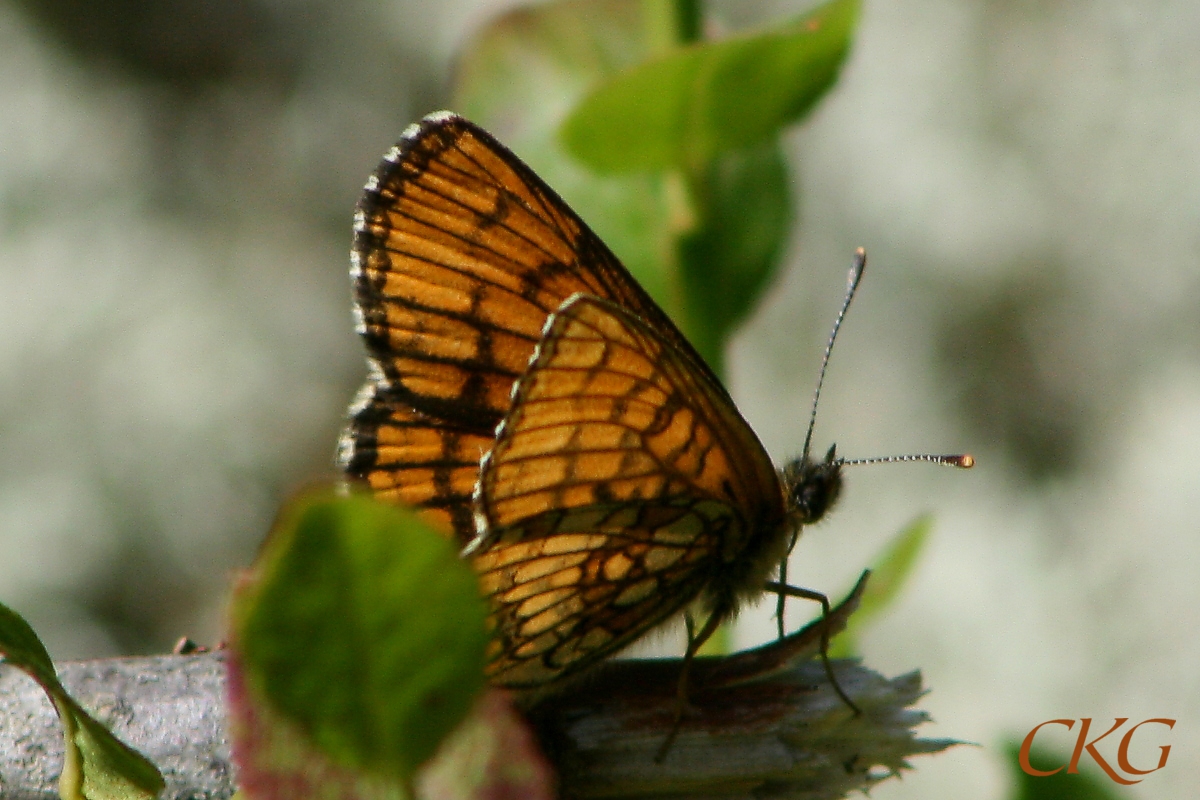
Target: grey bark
(171, 708)
(764, 723)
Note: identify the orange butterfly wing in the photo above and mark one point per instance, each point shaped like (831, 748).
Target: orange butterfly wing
(406, 456)
(623, 484)
(460, 254)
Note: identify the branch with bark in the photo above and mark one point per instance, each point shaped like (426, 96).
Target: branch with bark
(765, 721)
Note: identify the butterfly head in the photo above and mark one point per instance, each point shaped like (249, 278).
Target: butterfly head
(812, 487)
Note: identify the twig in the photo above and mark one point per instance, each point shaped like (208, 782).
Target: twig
(765, 721)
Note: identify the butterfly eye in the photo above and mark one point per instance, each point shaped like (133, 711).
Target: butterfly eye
(813, 487)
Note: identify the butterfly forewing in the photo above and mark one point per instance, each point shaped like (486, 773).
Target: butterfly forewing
(620, 484)
(460, 254)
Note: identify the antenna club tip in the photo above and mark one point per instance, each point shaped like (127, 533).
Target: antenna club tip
(966, 461)
(857, 268)
(860, 261)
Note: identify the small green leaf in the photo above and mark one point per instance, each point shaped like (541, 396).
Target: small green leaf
(888, 575)
(22, 648)
(365, 629)
(108, 768)
(683, 108)
(96, 764)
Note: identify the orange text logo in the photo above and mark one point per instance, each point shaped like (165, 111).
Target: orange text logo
(1082, 744)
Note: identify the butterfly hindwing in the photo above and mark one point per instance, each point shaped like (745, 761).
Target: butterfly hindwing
(619, 486)
(588, 581)
(609, 412)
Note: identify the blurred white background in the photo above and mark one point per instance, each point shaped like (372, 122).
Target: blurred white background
(176, 350)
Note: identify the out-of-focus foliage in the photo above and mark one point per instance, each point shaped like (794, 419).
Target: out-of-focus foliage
(363, 626)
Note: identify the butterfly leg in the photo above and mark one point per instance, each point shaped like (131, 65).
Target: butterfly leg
(808, 594)
(695, 642)
(783, 581)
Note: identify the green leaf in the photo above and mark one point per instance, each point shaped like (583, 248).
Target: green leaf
(96, 765)
(683, 108)
(735, 251)
(22, 648)
(703, 234)
(888, 575)
(492, 754)
(1083, 785)
(364, 629)
(108, 768)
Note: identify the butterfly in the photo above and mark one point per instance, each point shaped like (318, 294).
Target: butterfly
(532, 400)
